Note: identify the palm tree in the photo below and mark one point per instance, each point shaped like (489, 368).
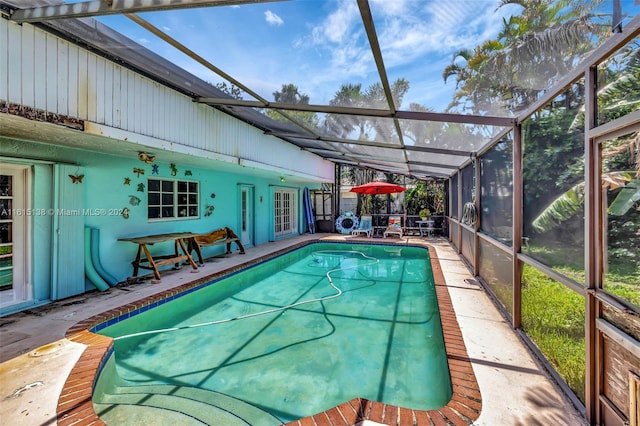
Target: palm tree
(374, 97)
(531, 51)
(364, 128)
(290, 94)
(357, 176)
(349, 95)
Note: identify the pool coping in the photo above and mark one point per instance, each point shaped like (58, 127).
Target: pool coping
(75, 405)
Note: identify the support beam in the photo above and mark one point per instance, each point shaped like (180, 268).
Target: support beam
(369, 27)
(114, 7)
(459, 218)
(592, 250)
(438, 165)
(366, 112)
(476, 226)
(385, 145)
(517, 225)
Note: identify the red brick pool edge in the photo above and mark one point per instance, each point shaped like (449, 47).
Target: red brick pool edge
(75, 406)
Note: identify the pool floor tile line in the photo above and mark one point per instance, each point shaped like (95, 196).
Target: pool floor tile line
(75, 406)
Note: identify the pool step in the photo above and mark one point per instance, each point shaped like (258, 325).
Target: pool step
(194, 406)
(123, 414)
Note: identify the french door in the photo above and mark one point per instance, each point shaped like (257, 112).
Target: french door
(285, 212)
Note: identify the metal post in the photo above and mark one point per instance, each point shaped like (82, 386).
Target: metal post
(336, 193)
(592, 252)
(476, 227)
(459, 189)
(518, 203)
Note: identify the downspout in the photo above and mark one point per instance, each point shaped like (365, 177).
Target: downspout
(95, 258)
(89, 270)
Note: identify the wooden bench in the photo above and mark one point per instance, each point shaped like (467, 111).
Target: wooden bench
(215, 238)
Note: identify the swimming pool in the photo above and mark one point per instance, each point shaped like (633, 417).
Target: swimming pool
(291, 337)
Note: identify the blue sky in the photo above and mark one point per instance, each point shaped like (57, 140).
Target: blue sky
(319, 45)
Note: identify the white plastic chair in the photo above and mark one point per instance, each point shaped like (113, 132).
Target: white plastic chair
(365, 226)
(394, 227)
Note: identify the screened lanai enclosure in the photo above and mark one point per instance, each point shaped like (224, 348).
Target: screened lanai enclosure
(527, 111)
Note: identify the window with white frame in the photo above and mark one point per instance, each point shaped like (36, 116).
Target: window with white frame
(172, 199)
(285, 217)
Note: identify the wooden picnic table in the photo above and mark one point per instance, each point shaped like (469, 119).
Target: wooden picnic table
(144, 259)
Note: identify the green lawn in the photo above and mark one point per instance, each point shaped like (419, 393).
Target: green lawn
(553, 317)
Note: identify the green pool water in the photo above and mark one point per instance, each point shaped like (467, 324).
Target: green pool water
(377, 335)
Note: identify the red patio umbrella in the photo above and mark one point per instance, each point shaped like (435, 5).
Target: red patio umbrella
(377, 187)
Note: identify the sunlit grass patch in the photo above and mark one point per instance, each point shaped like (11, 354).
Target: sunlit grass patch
(553, 317)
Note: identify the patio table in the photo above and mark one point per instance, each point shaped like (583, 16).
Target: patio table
(426, 227)
(144, 259)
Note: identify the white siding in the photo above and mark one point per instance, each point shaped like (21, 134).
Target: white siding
(47, 73)
(28, 67)
(72, 87)
(40, 72)
(51, 78)
(14, 71)
(4, 66)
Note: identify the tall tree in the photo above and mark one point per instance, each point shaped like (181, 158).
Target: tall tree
(230, 89)
(360, 127)
(290, 94)
(349, 95)
(531, 51)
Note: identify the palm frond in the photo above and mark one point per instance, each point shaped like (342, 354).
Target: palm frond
(561, 209)
(626, 199)
(571, 202)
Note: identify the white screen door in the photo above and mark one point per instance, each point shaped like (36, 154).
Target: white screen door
(14, 217)
(246, 215)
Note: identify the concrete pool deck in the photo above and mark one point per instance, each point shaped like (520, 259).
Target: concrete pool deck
(37, 358)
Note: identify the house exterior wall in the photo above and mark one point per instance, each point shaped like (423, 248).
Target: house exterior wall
(111, 110)
(106, 195)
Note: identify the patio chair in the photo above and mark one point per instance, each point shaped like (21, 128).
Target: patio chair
(365, 226)
(394, 227)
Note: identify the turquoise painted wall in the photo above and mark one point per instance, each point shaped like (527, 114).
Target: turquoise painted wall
(106, 192)
(106, 195)
(42, 231)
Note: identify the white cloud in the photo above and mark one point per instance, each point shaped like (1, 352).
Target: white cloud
(340, 37)
(338, 26)
(272, 18)
(408, 33)
(395, 7)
